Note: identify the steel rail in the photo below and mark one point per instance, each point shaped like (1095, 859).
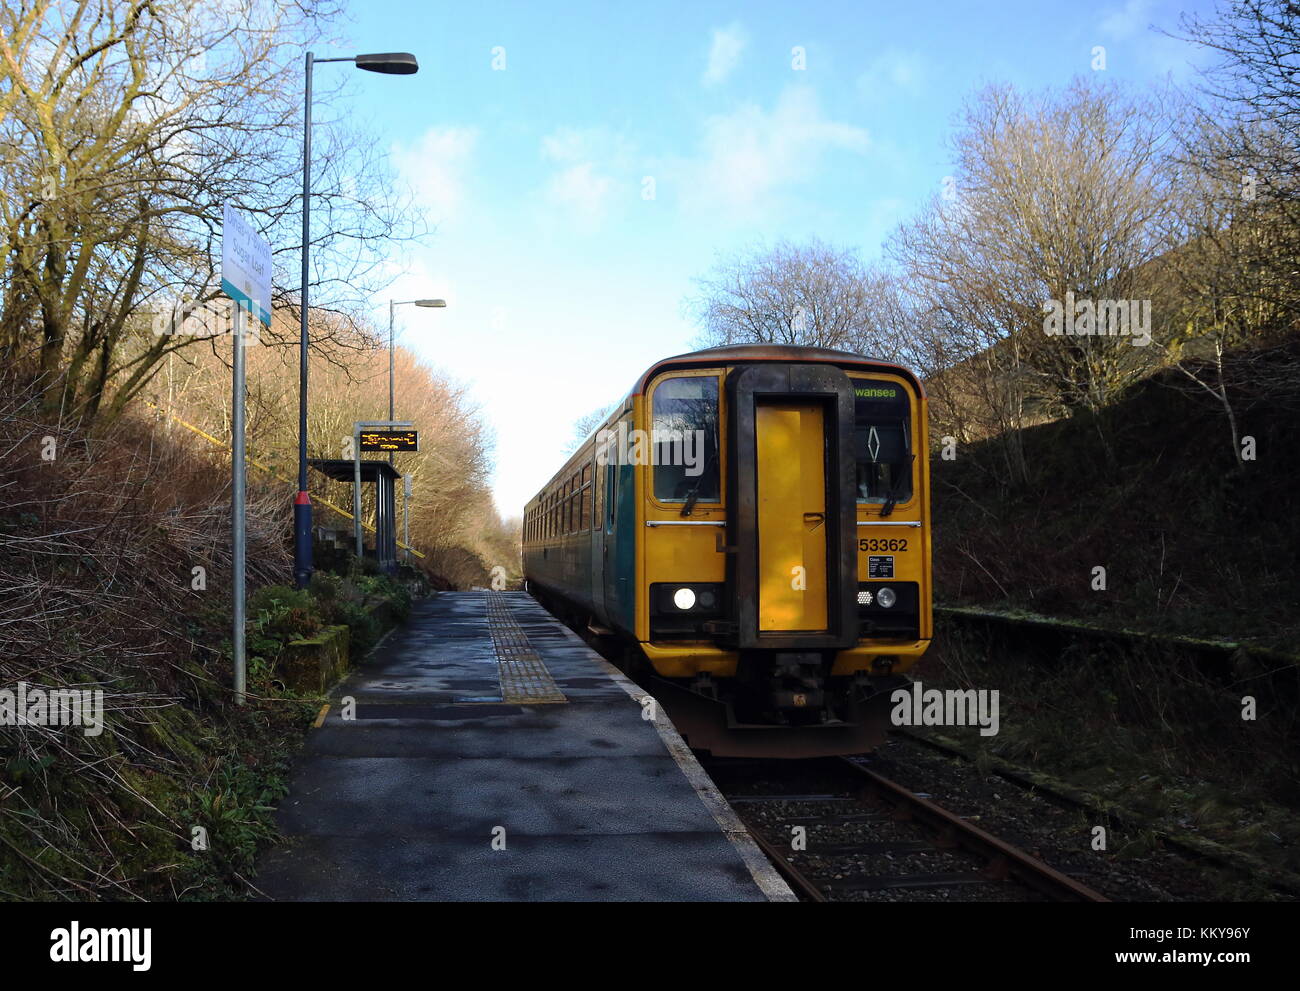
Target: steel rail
(1027, 869)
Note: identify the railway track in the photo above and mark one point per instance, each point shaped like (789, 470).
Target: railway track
(865, 837)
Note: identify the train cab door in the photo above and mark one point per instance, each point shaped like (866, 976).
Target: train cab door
(792, 512)
(790, 464)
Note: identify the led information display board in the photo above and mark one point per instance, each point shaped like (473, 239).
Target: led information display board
(384, 441)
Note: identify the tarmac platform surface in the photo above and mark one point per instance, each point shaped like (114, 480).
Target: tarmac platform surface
(494, 756)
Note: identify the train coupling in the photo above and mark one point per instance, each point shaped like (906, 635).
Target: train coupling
(791, 685)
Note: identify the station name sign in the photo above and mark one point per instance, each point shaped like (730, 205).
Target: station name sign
(384, 441)
(245, 264)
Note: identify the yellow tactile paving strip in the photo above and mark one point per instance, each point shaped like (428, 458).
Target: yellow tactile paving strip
(524, 678)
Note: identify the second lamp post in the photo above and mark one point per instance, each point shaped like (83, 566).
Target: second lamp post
(393, 305)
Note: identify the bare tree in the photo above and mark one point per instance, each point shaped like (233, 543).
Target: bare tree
(1236, 276)
(126, 126)
(1253, 114)
(585, 425)
(811, 294)
(1057, 199)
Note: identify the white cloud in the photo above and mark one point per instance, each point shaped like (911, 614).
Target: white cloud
(581, 188)
(571, 145)
(437, 167)
(724, 53)
(892, 72)
(1126, 21)
(1142, 29)
(749, 156)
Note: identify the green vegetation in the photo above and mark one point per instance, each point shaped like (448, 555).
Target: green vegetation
(1191, 544)
(177, 796)
(1194, 547)
(1143, 732)
(172, 801)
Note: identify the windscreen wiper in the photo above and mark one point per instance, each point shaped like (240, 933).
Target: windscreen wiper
(693, 496)
(891, 497)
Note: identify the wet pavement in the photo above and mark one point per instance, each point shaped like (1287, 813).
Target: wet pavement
(453, 782)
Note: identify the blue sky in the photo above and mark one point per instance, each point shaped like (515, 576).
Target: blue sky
(563, 277)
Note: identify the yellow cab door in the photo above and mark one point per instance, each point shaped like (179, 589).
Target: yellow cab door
(791, 482)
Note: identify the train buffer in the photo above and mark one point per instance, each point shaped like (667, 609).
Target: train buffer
(490, 755)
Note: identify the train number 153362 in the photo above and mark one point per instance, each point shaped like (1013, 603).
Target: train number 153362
(882, 544)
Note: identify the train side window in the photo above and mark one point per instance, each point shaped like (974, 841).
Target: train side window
(584, 499)
(599, 487)
(685, 439)
(611, 498)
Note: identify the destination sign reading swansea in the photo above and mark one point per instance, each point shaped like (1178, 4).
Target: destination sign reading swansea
(389, 440)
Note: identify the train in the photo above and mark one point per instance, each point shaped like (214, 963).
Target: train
(749, 530)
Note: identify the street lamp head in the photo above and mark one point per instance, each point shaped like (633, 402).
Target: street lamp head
(390, 63)
(430, 302)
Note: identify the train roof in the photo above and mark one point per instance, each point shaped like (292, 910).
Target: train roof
(733, 353)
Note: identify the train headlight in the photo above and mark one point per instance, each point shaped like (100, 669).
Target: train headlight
(886, 597)
(864, 598)
(686, 602)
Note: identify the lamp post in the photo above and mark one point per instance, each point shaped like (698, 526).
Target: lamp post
(392, 305)
(389, 63)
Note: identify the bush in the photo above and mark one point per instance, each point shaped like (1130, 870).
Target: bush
(277, 615)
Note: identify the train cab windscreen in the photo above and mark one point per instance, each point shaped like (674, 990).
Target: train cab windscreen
(882, 443)
(685, 440)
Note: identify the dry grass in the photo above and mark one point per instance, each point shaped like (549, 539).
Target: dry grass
(97, 547)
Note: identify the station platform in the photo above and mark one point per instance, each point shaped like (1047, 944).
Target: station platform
(494, 756)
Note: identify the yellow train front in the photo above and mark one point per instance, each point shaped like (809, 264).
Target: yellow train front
(752, 523)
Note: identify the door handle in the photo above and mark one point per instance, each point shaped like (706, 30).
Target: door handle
(814, 519)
